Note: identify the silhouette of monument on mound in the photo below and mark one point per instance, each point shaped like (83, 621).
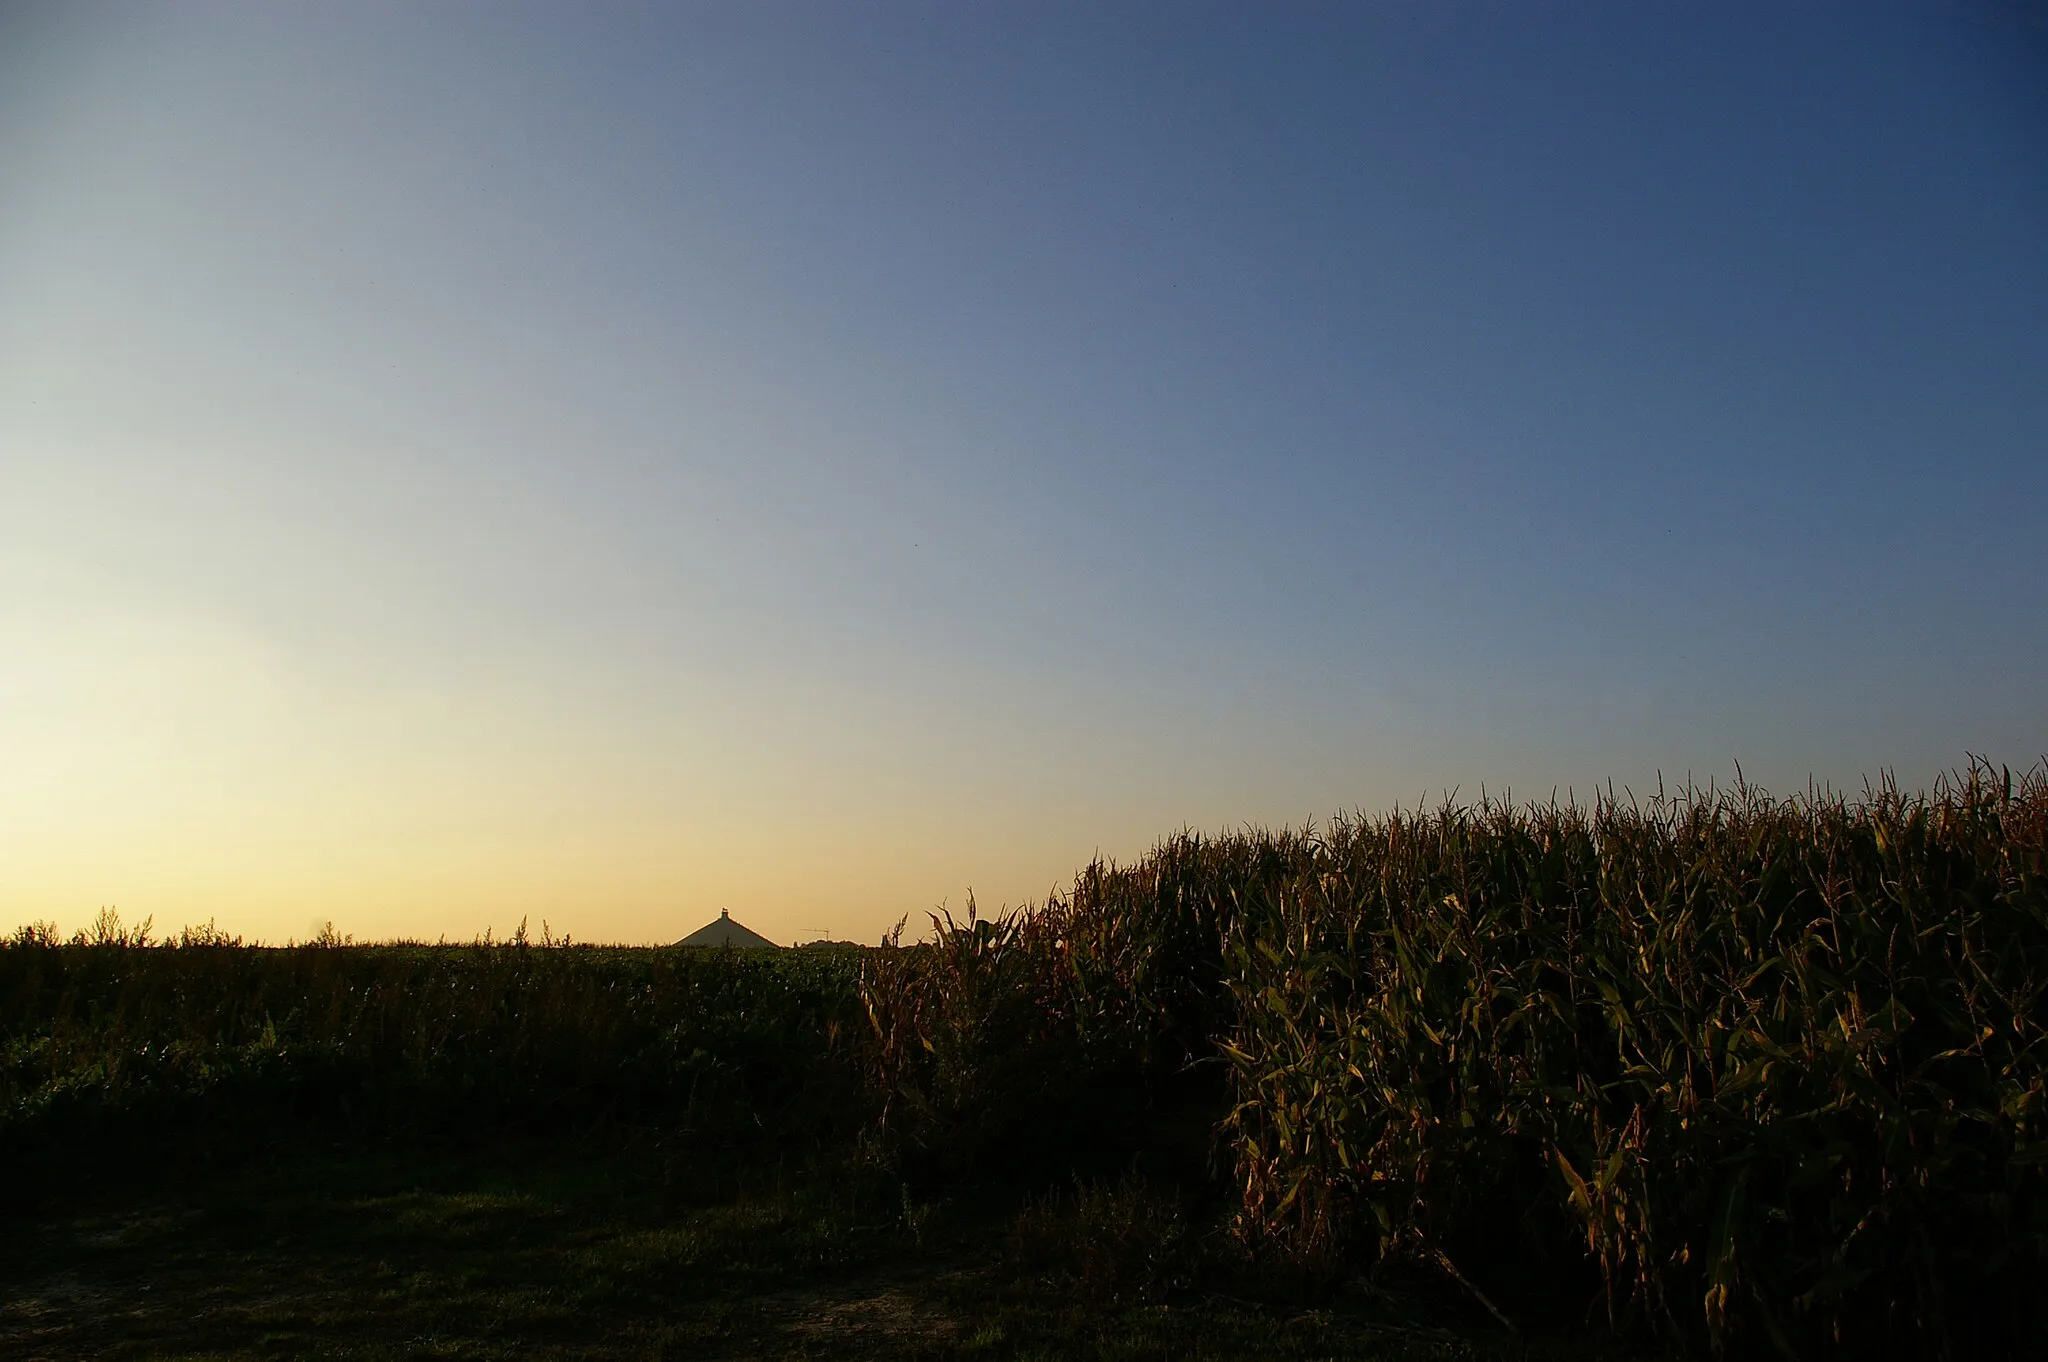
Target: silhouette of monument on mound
(725, 932)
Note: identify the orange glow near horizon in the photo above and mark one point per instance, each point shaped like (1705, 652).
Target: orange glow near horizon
(177, 771)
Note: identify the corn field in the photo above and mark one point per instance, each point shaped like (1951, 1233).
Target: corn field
(1769, 1075)
(112, 1047)
(1742, 1075)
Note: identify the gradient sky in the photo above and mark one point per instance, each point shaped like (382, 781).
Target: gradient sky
(599, 464)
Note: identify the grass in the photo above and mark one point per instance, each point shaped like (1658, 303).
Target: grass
(538, 1251)
(416, 1257)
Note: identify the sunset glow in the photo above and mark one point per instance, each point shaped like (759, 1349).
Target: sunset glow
(461, 466)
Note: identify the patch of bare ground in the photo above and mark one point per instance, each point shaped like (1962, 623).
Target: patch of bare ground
(892, 1310)
(49, 1300)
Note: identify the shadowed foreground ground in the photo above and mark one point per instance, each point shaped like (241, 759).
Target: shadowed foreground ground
(537, 1255)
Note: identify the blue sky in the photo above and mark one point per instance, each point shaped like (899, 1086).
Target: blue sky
(607, 463)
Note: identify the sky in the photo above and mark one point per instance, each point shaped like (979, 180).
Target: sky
(602, 464)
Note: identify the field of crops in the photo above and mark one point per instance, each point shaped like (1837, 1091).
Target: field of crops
(1710, 1072)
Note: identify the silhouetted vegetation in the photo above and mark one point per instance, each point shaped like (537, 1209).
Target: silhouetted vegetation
(1710, 1070)
(188, 1040)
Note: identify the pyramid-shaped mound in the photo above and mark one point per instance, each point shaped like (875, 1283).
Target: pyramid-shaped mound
(725, 932)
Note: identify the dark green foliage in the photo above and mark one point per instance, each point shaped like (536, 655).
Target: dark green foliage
(210, 1046)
